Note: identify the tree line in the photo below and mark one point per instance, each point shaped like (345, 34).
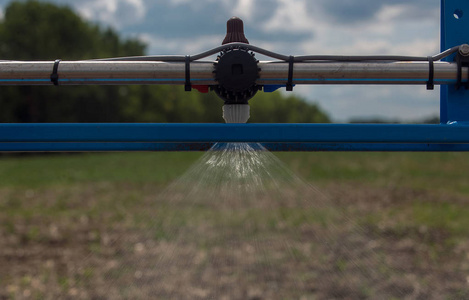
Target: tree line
(33, 30)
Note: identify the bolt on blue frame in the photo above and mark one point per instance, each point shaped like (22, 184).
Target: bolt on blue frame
(451, 135)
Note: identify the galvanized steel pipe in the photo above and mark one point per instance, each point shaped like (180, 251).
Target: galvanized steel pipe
(272, 73)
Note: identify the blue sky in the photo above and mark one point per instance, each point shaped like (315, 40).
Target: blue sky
(293, 27)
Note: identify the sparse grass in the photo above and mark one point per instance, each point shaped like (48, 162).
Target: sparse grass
(441, 172)
(64, 170)
(420, 219)
(26, 178)
(448, 216)
(445, 172)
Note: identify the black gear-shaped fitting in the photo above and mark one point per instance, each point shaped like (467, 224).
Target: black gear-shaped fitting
(236, 72)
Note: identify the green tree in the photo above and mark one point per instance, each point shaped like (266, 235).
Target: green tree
(276, 107)
(35, 30)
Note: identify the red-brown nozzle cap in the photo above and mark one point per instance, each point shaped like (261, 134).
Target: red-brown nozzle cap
(235, 31)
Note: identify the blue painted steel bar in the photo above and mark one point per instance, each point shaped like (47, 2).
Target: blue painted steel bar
(454, 104)
(210, 133)
(308, 147)
(102, 147)
(300, 147)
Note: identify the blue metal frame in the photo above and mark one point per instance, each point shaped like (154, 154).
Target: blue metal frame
(249, 133)
(198, 137)
(451, 135)
(181, 147)
(454, 104)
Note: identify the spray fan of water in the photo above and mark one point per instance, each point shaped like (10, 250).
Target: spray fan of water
(239, 225)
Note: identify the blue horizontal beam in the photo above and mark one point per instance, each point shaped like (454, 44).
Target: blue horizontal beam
(102, 147)
(294, 147)
(354, 147)
(201, 137)
(211, 133)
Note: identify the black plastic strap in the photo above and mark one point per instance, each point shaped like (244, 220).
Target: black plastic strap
(462, 61)
(54, 77)
(431, 74)
(466, 85)
(188, 86)
(290, 74)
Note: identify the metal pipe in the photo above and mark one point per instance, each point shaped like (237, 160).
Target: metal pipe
(104, 73)
(145, 72)
(360, 73)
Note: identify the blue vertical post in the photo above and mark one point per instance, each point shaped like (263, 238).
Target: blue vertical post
(454, 104)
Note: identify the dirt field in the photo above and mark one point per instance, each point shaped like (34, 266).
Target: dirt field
(77, 256)
(108, 240)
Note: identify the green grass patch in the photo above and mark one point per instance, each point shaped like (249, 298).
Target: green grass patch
(443, 172)
(448, 216)
(436, 171)
(62, 169)
(439, 225)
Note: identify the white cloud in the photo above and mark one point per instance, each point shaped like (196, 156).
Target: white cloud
(391, 12)
(291, 16)
(179, 46)
(179, 2)
(392, 30)
(117, 13)
(244, 9)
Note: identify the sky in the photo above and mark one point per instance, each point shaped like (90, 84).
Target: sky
(293, 27)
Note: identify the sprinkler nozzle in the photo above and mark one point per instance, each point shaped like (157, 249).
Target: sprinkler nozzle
(236, 72)
(235, 32)
(236, 69)
(236, 113)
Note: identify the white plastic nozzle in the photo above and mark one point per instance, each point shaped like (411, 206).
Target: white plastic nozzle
(236, 113)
